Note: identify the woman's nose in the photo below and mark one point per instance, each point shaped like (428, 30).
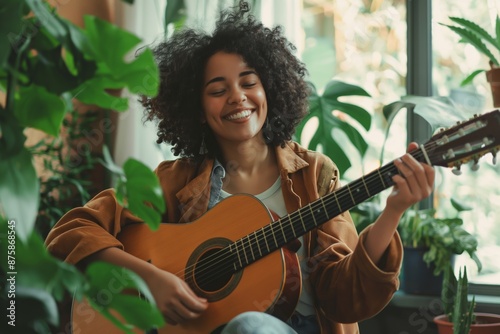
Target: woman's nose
(236, 96)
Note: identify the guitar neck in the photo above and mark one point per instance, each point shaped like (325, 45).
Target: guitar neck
(280, 232)
(466, 141)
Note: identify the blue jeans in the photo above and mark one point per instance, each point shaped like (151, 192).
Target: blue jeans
(263, 323)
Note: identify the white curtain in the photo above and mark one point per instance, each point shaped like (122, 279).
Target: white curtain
(287, 13)
(145, 19)
(135, 138)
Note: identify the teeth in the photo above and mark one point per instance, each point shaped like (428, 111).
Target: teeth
(239, 115)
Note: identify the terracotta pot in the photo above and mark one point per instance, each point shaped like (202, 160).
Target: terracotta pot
(486, 323)
(493, 77)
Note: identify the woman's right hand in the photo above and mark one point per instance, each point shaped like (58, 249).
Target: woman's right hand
(175, 299)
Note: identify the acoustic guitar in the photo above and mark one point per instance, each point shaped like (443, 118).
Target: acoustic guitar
(234, 255)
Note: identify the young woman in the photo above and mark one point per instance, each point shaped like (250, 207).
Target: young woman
(228, 104)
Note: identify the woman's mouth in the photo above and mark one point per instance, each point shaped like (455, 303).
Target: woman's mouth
(239, 115)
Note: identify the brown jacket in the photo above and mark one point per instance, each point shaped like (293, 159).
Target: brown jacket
(347, 285)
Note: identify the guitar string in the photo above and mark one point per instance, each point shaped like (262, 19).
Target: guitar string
(205, 267)
(278, 225)
(308, 215)
(308, 218)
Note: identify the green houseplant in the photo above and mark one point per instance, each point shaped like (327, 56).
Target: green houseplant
(437, 111)
(459, 316)
(475, 35)
(45, 62)
(421, 228)
(430, 244)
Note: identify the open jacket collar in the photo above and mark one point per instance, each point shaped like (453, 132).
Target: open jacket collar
(194, 197)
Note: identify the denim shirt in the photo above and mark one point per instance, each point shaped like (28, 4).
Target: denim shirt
(301, 324)
(218, 173)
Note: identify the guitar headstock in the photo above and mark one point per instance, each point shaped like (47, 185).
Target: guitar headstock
(466, 141)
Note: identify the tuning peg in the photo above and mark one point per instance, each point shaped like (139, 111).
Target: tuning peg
(457, 170)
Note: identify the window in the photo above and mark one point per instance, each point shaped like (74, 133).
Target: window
(480, 190)
(364, 43)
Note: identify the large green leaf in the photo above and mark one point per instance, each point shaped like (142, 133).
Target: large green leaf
(336, 89)
(106, 284)
(95, 91)
(475, 41)
(138, 189)
(42, 271)
(438, 111)
(39, 109)
(140, 75)
(144, 193)
(476, 29)
(19, 192)
(35, 307)
(138, 312)
(322, 108)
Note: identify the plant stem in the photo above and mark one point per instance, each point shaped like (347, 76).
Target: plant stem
(13, 74)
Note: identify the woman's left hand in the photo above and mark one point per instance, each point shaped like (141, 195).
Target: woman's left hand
(414, 182)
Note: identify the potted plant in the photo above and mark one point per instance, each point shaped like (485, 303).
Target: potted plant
(459, 316)
(478, 37)
(430, 245)
(45, 61)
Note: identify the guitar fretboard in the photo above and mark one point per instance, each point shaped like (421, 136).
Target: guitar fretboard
(450, 148)
(271, 237)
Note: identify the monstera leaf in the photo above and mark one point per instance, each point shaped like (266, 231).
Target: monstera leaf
(138, 189)
(322, 108)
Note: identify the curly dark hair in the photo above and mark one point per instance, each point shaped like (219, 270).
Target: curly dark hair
(181, 61)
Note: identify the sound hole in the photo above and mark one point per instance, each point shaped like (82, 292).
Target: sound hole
(212, 272)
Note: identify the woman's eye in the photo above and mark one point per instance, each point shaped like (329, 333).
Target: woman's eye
(216, 93)
(249, 84)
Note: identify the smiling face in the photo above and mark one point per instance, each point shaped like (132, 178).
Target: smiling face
(233, 98)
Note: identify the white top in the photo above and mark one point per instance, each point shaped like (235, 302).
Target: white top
(274, 201)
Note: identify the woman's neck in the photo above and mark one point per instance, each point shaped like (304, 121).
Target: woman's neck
(251, 167)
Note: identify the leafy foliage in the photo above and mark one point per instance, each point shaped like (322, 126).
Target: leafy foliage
(322, 107)
(45, 63)
(478, 37)
(67, 161)
(138, 313)
(45, 280)
(138, 189)
(455, 301)
(443, 236)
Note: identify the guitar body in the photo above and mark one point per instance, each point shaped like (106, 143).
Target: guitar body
(272, 284)
(236, 255)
